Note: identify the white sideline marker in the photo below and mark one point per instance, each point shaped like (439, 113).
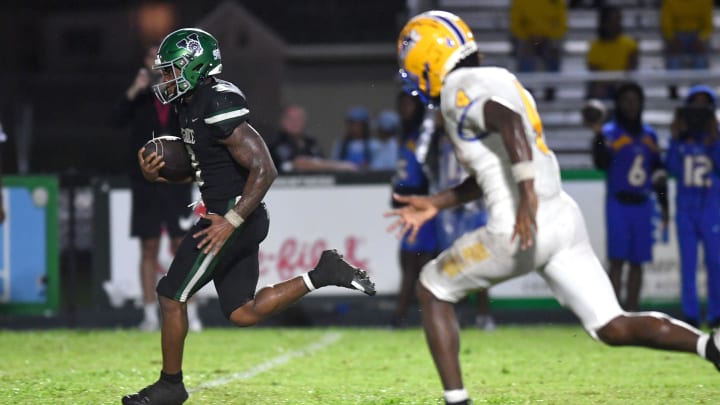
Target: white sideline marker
(325, 341)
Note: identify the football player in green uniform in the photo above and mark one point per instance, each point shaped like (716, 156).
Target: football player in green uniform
(234, 170)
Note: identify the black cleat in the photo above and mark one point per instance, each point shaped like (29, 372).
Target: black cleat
(711, 350)
(333, 270)
(159, 393)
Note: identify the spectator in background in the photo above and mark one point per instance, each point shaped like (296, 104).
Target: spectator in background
(294, 150)
(385, 145)
(686, 27)
(292, 140)
(627, 150)
(538, 28)
(612, 50)
(694, 158)
(411, 179)
(354, 147)
(155, 206)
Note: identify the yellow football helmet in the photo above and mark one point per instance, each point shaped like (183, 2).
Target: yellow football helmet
(429, 46)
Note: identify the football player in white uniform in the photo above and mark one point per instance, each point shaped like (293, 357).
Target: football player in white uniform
(533, 225)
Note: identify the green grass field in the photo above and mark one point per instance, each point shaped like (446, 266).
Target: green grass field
(513, 365)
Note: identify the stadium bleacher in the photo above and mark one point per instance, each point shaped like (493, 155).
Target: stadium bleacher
(490, 19)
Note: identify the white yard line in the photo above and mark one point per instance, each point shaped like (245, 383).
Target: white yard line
(325, 341)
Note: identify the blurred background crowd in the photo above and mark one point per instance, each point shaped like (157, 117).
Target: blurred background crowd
(320, 78)
(67, 62)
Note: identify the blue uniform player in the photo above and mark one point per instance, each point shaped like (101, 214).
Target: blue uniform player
(694, 159)
(410, 179)
(627, 149)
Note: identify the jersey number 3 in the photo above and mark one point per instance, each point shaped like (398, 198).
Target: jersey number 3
(534, 117)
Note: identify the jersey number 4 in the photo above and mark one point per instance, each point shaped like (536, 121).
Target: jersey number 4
(534, 117)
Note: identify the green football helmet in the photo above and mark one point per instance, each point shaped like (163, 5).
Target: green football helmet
(195, 54)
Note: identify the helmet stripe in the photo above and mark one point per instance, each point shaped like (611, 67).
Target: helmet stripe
(452, 26)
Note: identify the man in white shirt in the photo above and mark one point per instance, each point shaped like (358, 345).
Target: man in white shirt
(533, 225)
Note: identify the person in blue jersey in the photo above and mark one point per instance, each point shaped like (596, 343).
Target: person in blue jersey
(384, 146)
(411, 179)
(627, 150)
(694, 159)
(355, 146)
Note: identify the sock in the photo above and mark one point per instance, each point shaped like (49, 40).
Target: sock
(313, 277)
(456, 396)
(192, 311)
(702, 346)
(307, 279)
(171, 378)
(151, 312)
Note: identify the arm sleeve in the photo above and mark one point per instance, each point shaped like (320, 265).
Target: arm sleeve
(517, 28)
(472, 116)
(672, 158)
(632, 45)
(600, 152)
(659, 179)
(707, 21)
(666, 21)
(714, 153)
(226, 110)
(558, 31)
(591, 59)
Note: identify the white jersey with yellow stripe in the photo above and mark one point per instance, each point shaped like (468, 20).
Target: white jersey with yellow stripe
(483, 152)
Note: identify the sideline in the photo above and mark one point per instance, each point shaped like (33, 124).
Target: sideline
(325, 341)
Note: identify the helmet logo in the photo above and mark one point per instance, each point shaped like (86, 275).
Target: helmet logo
(216, 54)
(192, 44)
(408, 42)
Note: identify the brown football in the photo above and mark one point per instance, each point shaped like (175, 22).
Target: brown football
(593, 111)
(172, 149)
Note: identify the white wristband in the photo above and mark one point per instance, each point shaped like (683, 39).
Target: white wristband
(522, 171)
(234, 218)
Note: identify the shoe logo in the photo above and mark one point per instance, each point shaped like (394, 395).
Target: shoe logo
(185, 223)
(194, 119)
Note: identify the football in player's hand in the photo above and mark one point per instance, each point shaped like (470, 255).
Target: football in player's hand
(177, 160)
(593, 112)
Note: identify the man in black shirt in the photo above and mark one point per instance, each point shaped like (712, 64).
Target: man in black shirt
(295, 150)
(154, 205)
(234, 171)
(292, 141)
